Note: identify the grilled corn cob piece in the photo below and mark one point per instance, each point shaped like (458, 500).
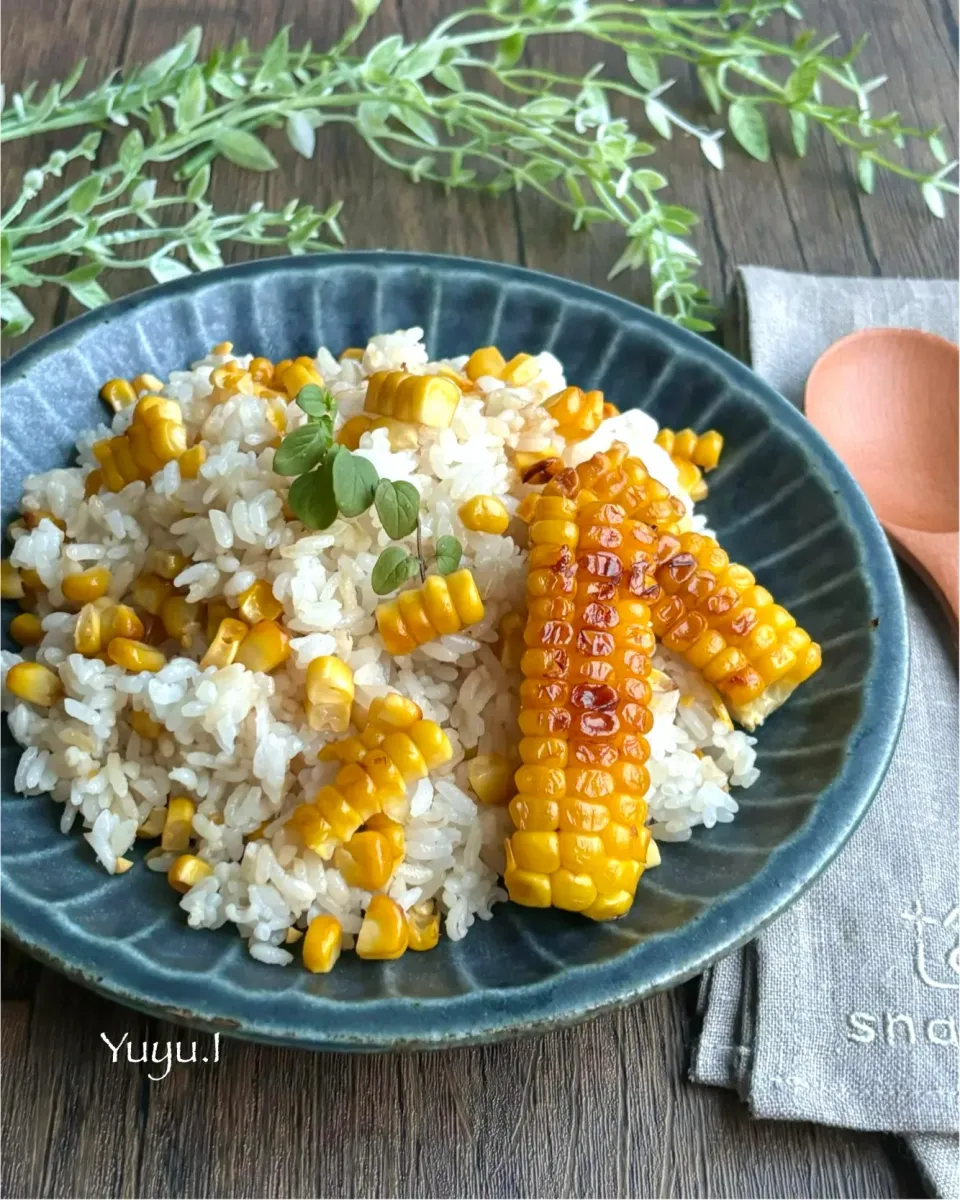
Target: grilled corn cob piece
(702, 449)
(715, 614)
(613, 475)
(577, 413)
(421, 399)
(579, 812)
(444, 604)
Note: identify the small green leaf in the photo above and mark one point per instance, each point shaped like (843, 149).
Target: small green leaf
(82, 274)
(510, 50)
(4, 252)
(316, 401)
(355, 481)
(164, 268)
(448, 554)
(643, 67)
(311, 498)
(748, 126)
(449, 77)
(204, 255)
(398, 505)
(366, 8)
(799, 127)
(16, 317)
(866, 174)
(658, 118)
(933, 198)
(937, 148)
(301, 450)
(800, 85)
(416, 122)
(180, 55)
(85, 195)
(645, 178)
(421, 60)
(192, 99)
(711, 89)
(245, 150)
(301, 134)
(89, 294)
(392, 569)
(199, 184)
(130, 153)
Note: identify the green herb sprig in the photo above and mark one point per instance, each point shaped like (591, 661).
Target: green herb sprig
(333, 482)
(461, 108)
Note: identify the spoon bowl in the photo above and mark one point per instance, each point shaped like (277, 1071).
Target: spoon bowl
(887, 401)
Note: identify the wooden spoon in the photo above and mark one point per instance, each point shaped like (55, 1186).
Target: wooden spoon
(887, 401)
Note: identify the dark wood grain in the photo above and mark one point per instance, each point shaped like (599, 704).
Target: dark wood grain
(602, 1110)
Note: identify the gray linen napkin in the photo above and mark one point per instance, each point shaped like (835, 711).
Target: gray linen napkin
(845, 1010)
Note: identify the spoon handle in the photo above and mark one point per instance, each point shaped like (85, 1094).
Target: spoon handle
(935, 557)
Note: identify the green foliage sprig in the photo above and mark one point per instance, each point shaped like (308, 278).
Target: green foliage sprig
(462, 108)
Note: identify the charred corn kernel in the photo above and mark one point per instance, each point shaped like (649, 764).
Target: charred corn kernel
(119, 620)
(577, 413)
(690, 478)
(181, 619)
(520, 370)
(330, 692)
(490, 777)
(191, 461)
(187, 870)
(293, 935)
(168, 563)
(225, 645)
(486, 361)
(35, 683)
(168, 440)
(419, 399)
(26, 630)
(134, 656)
(118, 393)
(322, 944)
(392, 831)
(432, 742)
(150, 592)
(143, 724)
(258, 603)
(297, 376)
(526, 460)
(384, 932)
(217, 610)
(423, 927)
(11, 583)
(613, 476)
(147, 383)
(406, 623)
(354, 352)
(264, 648)
(365, 861)
(261, 369)
(93, 483)
(33, 516)
(86, 585)
(713, 613)
(399, 712)
(154, 823)
(88, 633)
(703, 449)
(178, 826)
(484, 514)
(154, 633)
(350, 432)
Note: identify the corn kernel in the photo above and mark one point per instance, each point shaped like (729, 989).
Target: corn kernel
(392, 831)
(134, 656)
(88, 633)
(221, 348)
(484, 514)
(118, 393)
(520, 370)
(403, 753)
(384, 933)
(491, 778)
(34, 683)
(151, 410)
(261, 370)
(399, 712)
(423, 926)
(258, 603)
(465, 596)
(178, 826)
(402, 435)
(33, 516)
(708, 449)
(432, 743)
(147, 383)
(138, 443)
(122, 865)
(119, 620)
(143, 724)
(350, 433)
(154, 633)
(187, 870)
(264, 648)
(181, 619)
(486, 361)
(438, 605)
(26, 630)
(217, 610)
(190, 461)
(344, 750)
(292, 935)
(168, 440)
(297, 376)
(168, 563)
(225, 645)
(93, 483)
(340, 816)
(365, 861)
(150, 592)
(329, 689)
(321, 945)
(31, 580)
(86, 585)
(354, 352)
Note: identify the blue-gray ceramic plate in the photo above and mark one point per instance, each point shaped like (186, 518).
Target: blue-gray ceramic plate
(781, 503)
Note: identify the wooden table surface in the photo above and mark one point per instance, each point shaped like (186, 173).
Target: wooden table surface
(602, 1110)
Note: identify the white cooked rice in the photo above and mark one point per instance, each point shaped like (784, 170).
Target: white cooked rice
(236, 740)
